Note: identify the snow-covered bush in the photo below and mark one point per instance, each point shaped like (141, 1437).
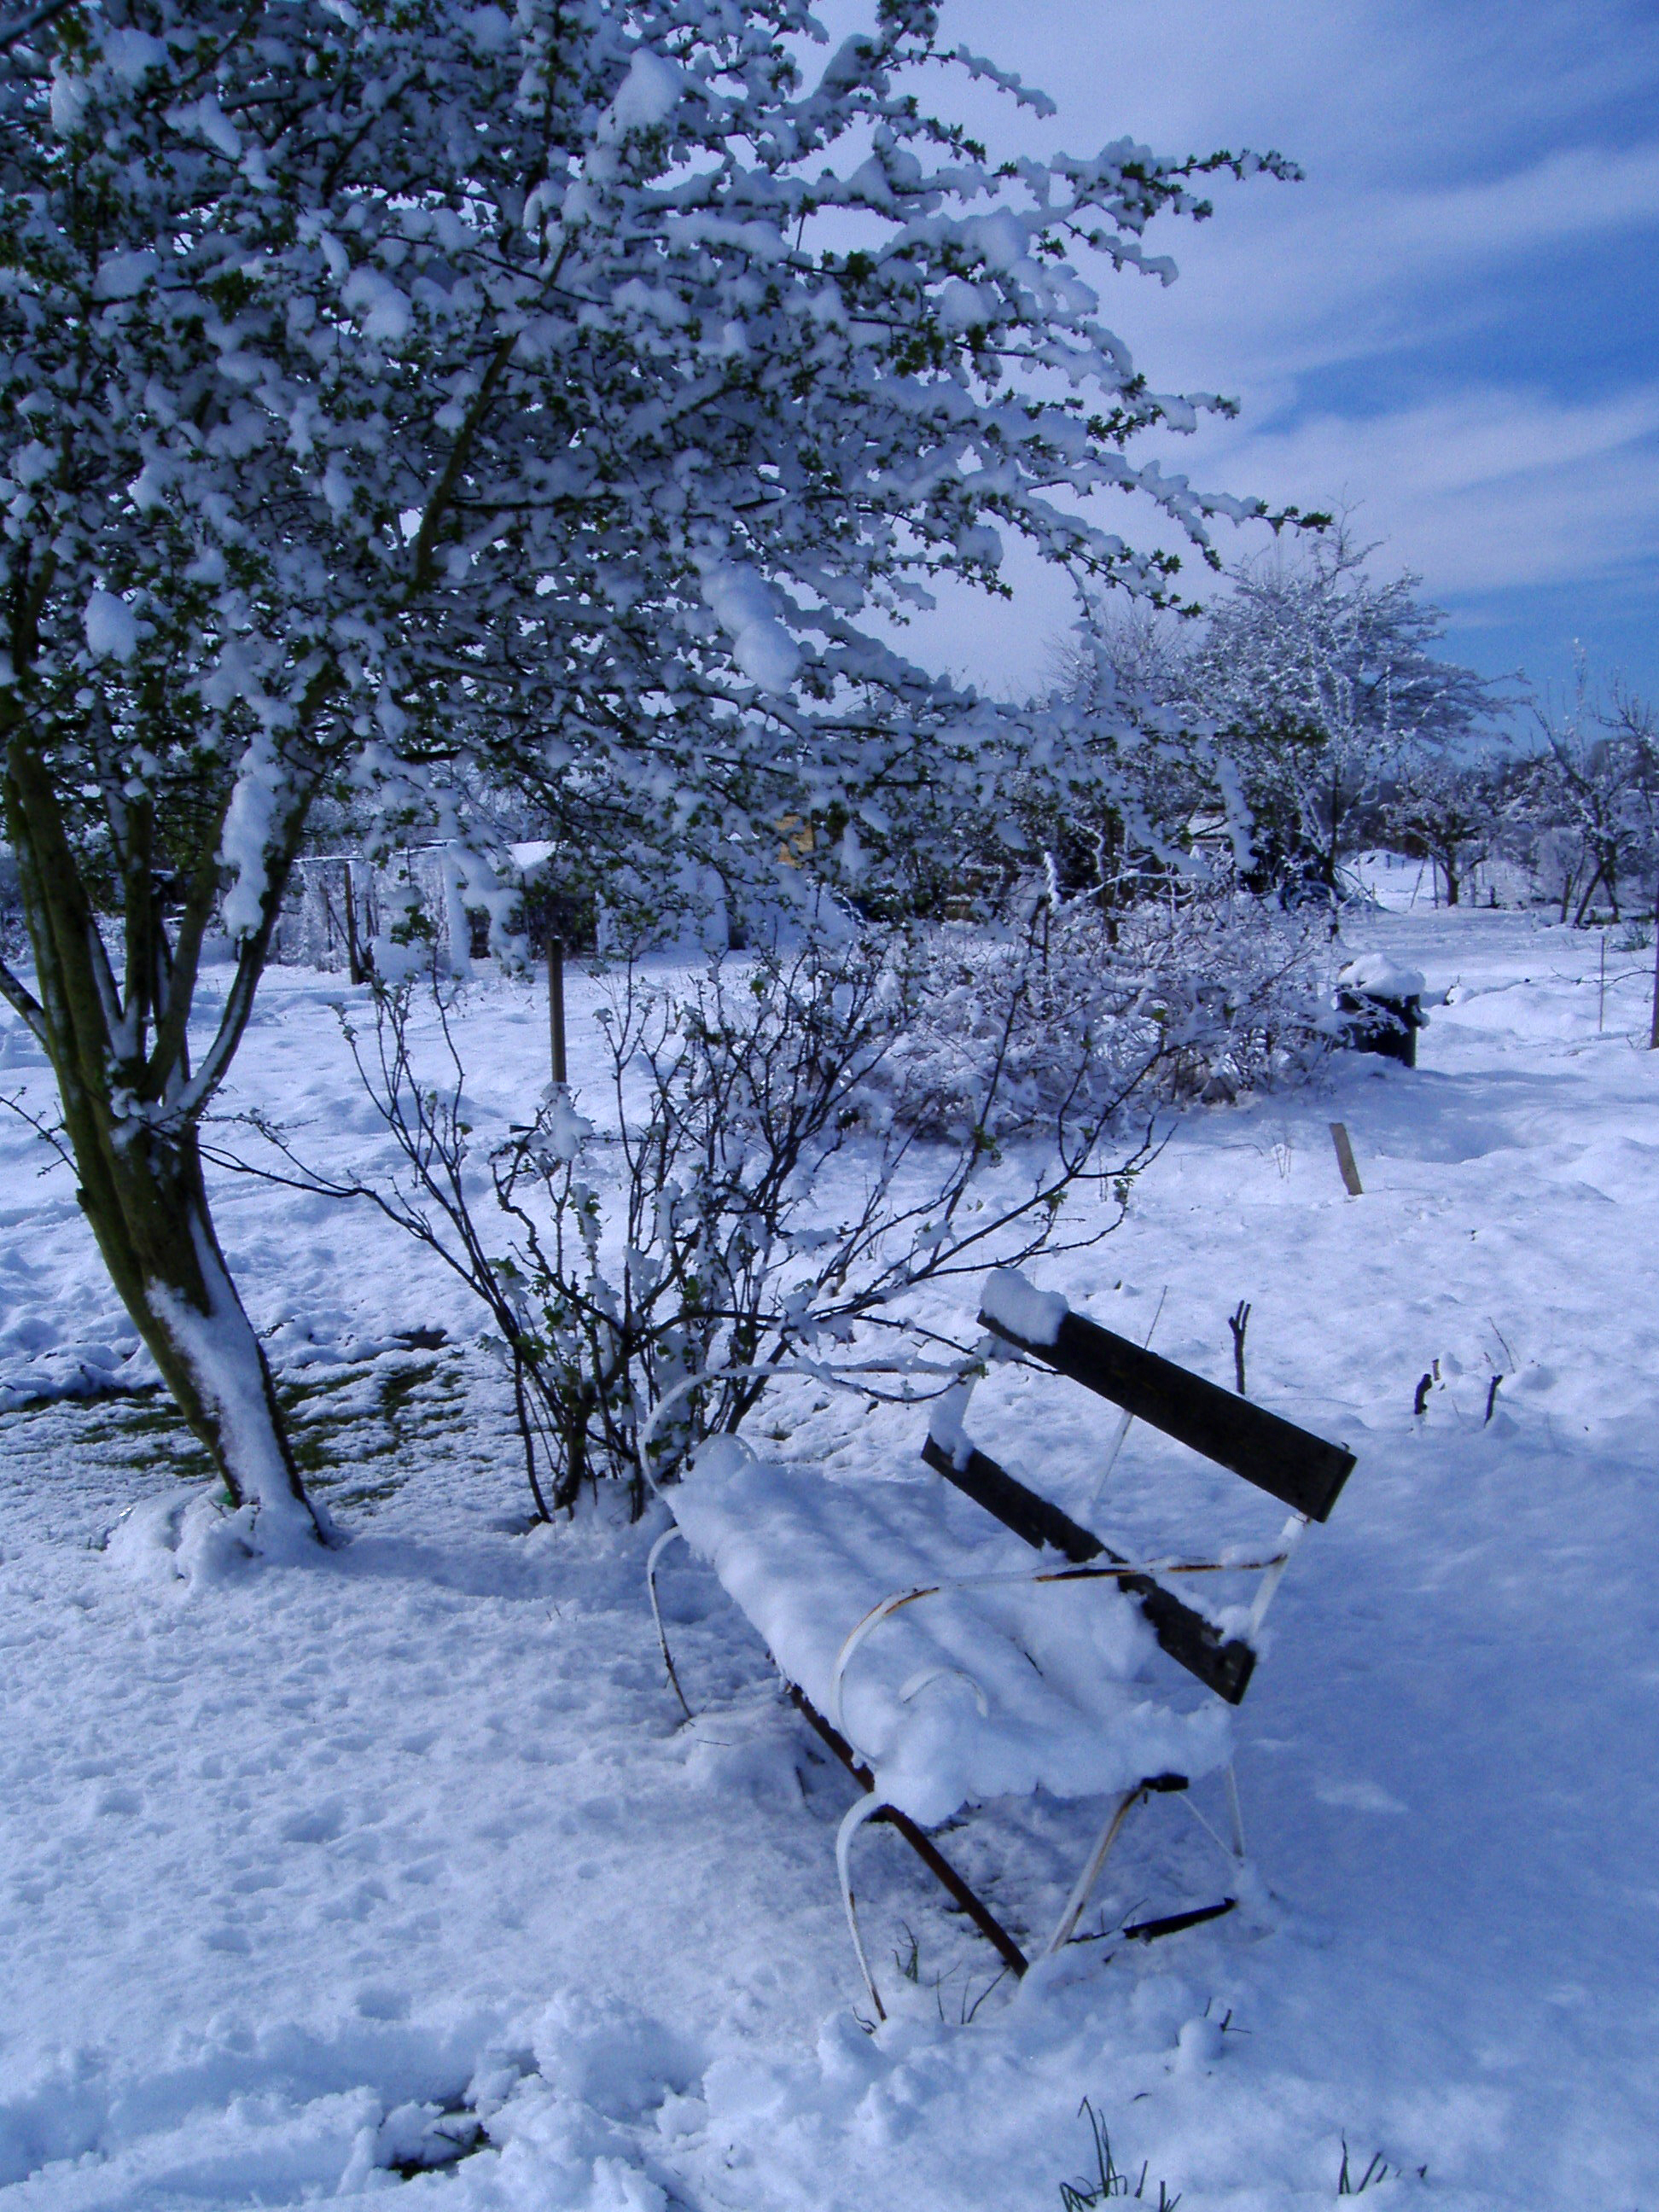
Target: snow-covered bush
(796, 1140)
(1076, 1015)
(762, 1191)
(338, 904)
(330, 916)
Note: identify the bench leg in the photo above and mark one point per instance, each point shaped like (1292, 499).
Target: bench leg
(652, 1557)
(1234, 1848)
(1234, 1813)
(865, 1809)
(1083, 1888)
(921, 1843)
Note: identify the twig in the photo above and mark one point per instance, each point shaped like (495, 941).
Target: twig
(45, 1132)
(1238, 1321)
(32, 19)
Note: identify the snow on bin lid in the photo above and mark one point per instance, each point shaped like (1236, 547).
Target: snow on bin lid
(1378, 977)
(806, 1556)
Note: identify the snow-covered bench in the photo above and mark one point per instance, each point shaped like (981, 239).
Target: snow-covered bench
(944, 1666)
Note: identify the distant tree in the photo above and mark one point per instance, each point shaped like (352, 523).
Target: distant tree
(1138, 775)
(1448, 810)
(1633, 726)
(1271, 730)
(1589, 796)
(1317, 682)
(402, 399)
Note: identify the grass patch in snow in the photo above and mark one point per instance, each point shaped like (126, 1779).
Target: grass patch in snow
(1109, 2184)
(1354, 2181)
(359, 1429)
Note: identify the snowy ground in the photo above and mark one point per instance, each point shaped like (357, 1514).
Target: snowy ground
(288, 1855)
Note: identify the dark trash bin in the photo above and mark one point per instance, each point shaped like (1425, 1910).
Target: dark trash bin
(1382, 1007)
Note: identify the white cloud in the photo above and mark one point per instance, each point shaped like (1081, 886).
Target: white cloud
(1285, 283)
(1568, 194)
(1436, 327)
(1439, 136)
(1485, 490)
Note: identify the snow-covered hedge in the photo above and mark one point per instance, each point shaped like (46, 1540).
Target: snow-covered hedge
(1075, 1013)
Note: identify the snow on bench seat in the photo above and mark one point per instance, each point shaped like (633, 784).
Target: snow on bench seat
(1061, 1666)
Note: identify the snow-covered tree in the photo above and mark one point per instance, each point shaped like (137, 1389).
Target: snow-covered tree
(1140, 773)
(1587, 804)
(401, 397)
(1317, 681)
(1450, 812)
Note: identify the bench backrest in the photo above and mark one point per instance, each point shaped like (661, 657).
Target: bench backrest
(1302, 1470)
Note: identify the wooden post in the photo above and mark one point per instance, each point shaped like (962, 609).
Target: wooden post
(1345, 1160)
(1653, 1030)
(355, 966)
(555, 1005)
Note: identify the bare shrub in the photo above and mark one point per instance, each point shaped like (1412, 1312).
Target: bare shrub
(767, 1188)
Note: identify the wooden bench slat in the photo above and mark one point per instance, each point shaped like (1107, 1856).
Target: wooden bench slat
(1300, 1469)
(1192, 1642)
(1018, 1507)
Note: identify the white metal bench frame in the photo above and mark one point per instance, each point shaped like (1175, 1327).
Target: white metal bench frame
(1302, 1470)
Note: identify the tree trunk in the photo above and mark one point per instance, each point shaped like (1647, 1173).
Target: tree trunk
(130, 1122)
(146, 1201)
(1590, 889)
(357, 967)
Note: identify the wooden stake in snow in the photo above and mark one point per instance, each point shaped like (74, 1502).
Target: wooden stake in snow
(1653, 1029)
(356, 966)
(556, 1005)
(1345, 1160)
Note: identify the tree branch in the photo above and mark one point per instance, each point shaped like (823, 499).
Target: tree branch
(23, 1004)
(250, 967)
(460, 453)
(34, 19)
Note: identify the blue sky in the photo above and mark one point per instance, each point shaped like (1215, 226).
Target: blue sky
(1452, 327)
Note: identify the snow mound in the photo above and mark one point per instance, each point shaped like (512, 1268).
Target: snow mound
(190, 1539)
(95, 1368)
